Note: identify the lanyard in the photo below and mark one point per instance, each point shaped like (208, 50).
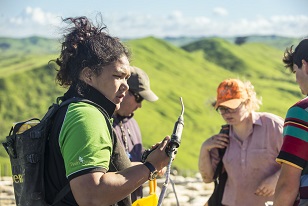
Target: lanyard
(124, 138)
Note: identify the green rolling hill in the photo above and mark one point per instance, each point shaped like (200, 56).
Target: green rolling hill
(193, 72)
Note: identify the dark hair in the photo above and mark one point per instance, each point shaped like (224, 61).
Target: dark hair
(288, 59)
(295, 57)
(85, 45)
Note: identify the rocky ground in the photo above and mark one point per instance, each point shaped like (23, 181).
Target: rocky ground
(189, 191)
(6, 192)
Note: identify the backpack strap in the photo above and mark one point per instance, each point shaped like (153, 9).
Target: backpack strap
(221, 152)
(101, 109)
(218, 170)
(63, 192)
(77, 99)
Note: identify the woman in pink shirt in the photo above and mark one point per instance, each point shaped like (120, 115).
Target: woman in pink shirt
(252, 146)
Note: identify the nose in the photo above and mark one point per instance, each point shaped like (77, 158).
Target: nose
(125, 86)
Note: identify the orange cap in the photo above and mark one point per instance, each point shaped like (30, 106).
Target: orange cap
(231, 93)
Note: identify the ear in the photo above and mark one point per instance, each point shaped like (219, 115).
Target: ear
(86, 75)
(305, 66)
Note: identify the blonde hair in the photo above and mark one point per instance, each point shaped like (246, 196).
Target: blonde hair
(253, 102)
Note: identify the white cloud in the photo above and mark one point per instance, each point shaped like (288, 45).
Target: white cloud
(35, 16)
(220, 11)
(35, 21)
(293, 26)
(176, 15)
(31, 21)
(176, 24)
(16, 20)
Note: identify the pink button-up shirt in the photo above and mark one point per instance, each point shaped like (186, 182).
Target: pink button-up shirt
(249, 162)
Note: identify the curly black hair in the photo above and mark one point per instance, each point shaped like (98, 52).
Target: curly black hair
(300, 53)
(86, 45)
(288, 58)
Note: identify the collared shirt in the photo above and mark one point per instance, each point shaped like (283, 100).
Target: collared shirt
(129, 134)
(251, 161)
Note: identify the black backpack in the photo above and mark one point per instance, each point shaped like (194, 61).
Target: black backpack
(26, 150)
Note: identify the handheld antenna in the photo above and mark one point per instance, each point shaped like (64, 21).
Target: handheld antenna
(175, 140)
(171, 150)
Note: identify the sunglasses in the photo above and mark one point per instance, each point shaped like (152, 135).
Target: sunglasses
(224, 110)
(138, 98)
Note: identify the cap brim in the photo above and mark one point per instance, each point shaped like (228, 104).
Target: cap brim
(148, 95)
(232, 103)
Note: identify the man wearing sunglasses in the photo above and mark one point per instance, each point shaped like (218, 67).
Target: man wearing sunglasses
(126, 127)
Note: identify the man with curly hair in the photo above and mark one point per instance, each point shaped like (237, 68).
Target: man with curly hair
(292, 186)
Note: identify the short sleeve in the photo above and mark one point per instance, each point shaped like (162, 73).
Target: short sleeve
(85, 141)
(294, 149)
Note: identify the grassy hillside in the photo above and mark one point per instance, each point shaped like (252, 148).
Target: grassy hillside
(278, 42)
(27, 87)
(31, 45)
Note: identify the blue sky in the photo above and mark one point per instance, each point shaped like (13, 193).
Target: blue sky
(160, 18)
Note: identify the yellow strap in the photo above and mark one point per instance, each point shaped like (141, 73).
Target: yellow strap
(152, 185)
(152, 199)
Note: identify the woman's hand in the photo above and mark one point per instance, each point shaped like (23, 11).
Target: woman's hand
(217, 141)
(267, 186)
(205, 165)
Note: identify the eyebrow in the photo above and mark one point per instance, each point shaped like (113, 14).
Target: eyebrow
(121, 69)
